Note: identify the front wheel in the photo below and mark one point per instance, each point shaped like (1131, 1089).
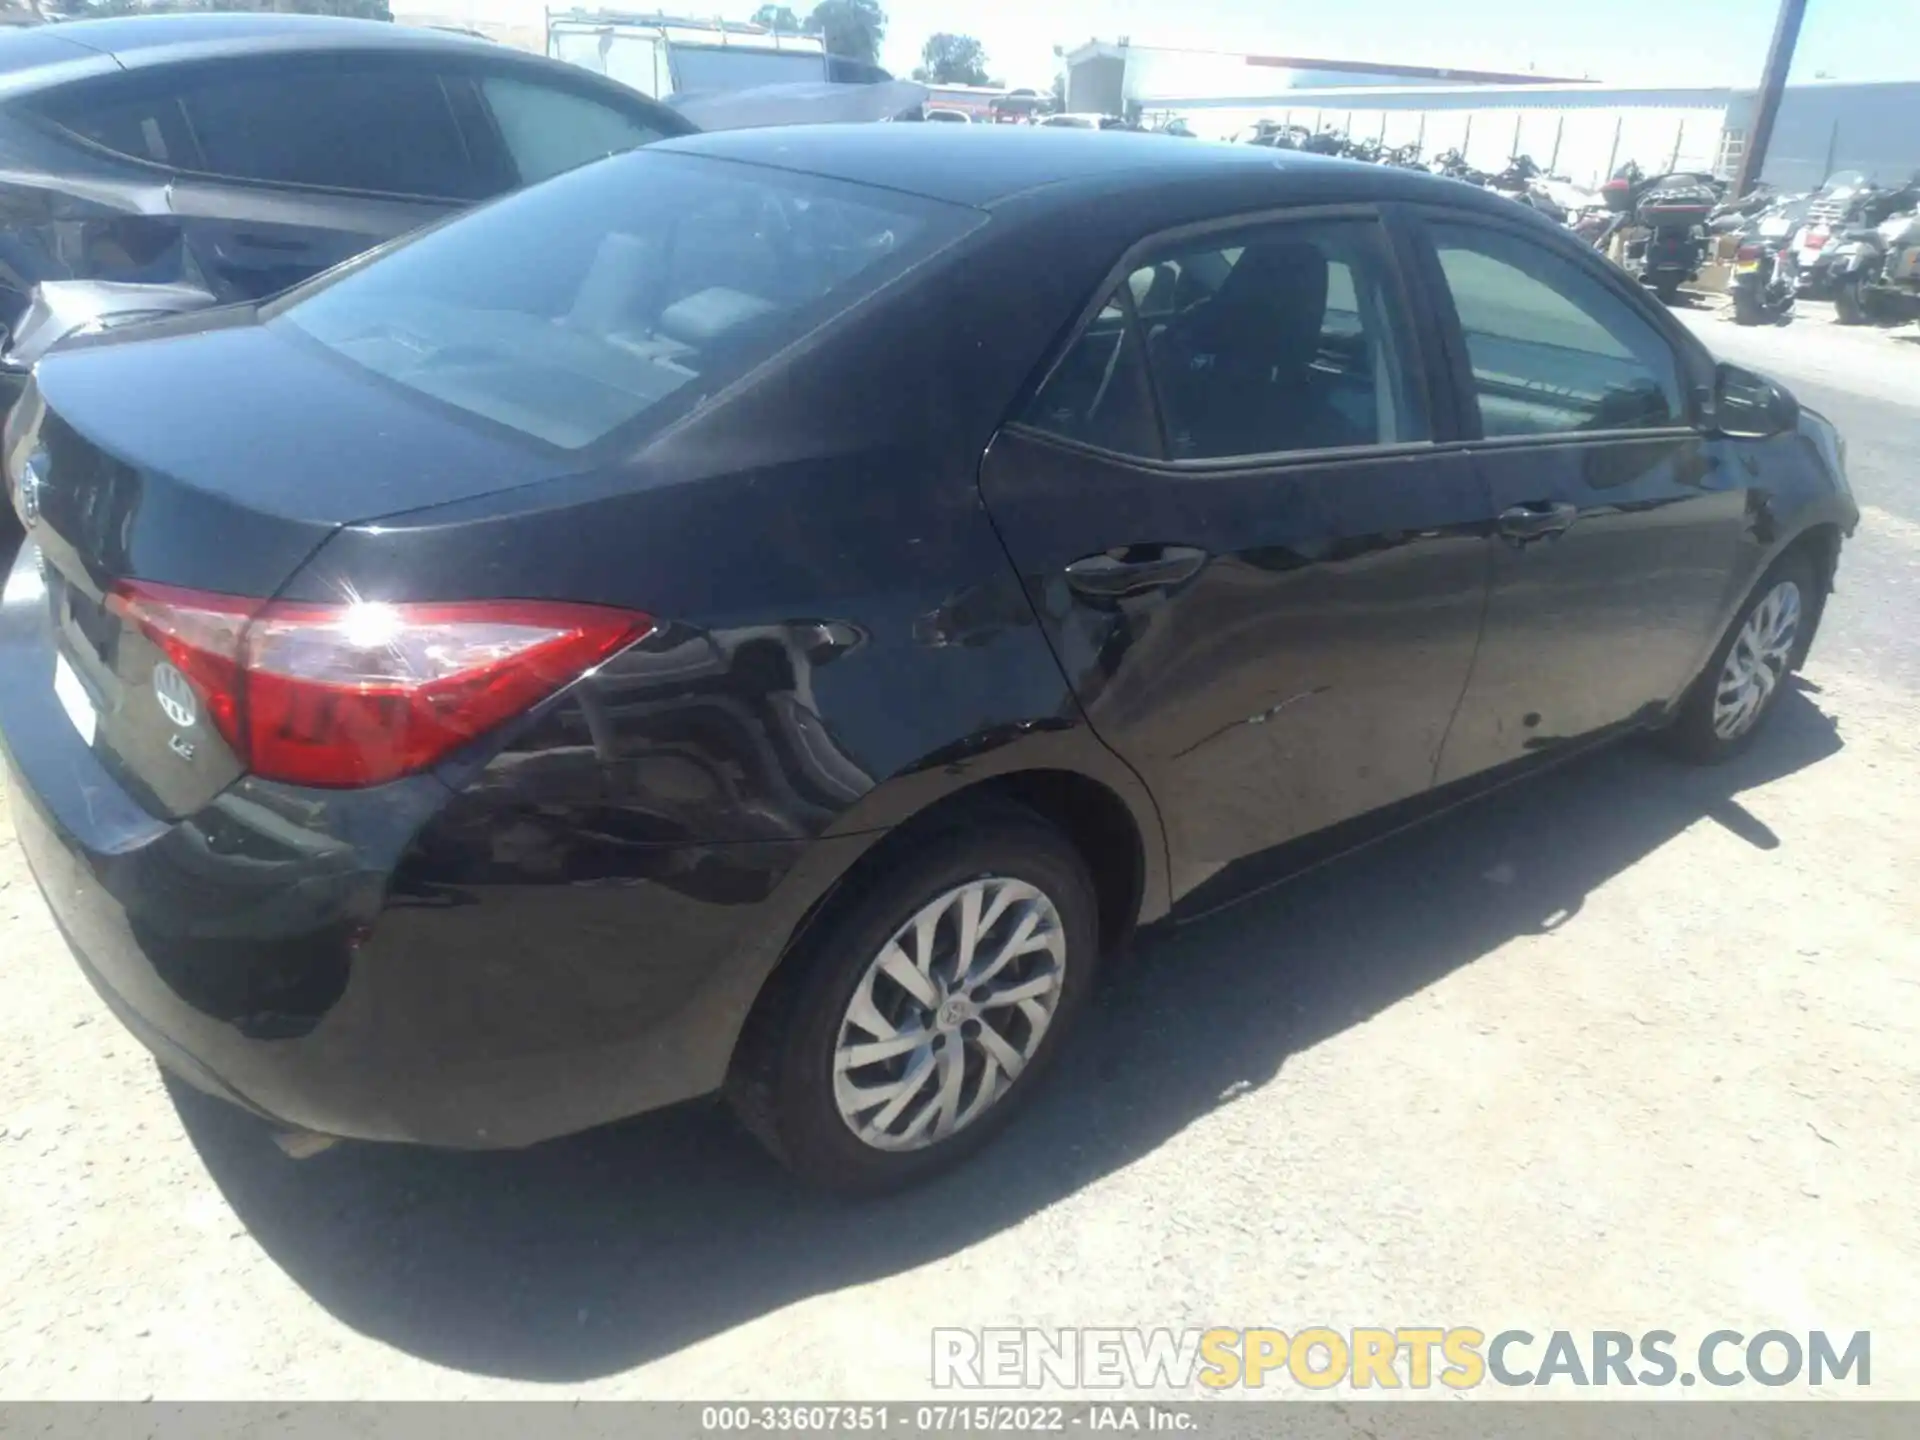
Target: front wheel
(920, 1019)
(1744, 680)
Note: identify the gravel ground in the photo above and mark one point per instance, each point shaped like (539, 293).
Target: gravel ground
(1635, 1047)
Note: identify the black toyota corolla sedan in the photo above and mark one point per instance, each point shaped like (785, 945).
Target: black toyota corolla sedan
(768, 613)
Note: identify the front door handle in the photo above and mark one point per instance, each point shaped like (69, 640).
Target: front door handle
(1537, 519)
(1130, 569)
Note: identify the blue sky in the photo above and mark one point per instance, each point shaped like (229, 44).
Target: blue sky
(1654, 42)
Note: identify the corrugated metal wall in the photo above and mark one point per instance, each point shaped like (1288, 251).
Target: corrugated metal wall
(1824, 128)
(1589, 142)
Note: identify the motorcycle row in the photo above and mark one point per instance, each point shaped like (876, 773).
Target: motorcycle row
(1852, 241)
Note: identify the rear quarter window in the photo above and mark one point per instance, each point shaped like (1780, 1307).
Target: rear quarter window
(547, 130)
(141, 121)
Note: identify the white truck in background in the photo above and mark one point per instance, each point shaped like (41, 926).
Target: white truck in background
(668, 55)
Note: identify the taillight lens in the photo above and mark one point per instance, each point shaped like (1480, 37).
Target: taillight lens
(1747, 252)
(357, 694)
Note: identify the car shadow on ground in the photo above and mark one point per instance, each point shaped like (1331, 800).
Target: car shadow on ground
(587, 1256)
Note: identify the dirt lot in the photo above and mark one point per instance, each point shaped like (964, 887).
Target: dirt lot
(1637, 1047)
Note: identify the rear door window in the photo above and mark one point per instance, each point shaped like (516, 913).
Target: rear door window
(1257, 342)
(547, 130)
(389, 129)
(1284, 338)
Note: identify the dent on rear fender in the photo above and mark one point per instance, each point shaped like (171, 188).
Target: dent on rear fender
(690, 737)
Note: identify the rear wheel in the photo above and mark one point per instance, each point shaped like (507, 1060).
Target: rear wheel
(1668, 291)
(1850, 305)
(1746, 308)
(917, 1022)
(1744, 680)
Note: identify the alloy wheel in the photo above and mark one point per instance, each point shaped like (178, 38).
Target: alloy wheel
(1757, 661)
(948, 1014)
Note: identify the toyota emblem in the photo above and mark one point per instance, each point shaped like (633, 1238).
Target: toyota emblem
(174, 694)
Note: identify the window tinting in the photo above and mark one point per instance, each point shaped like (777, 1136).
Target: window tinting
(548, 130)
(335, 126)
(654, 272)
(1552, 349)
(1098, 394)
(139, 121)
(1281, 339)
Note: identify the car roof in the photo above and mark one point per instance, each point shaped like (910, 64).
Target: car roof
(126, 35)
(982, 165)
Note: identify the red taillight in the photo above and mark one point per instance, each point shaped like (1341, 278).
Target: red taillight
(357, 694)
(1748, 252)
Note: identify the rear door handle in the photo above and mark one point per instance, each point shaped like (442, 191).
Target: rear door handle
(1130, 569)
(1537, 519)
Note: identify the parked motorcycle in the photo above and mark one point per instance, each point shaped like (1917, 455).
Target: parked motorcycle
(1900, 274)
(1670, 211)
(1867, 262)
(1847, 208)
(1730, 217)
(1764, 284)
(1279, 137)
(1453, 164)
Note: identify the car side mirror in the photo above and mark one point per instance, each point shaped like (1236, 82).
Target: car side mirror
(1751, 406)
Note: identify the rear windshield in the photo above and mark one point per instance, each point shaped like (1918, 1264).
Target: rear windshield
(583, 304)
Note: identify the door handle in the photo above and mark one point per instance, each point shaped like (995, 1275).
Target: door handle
(1537, 519)
(1130, 569)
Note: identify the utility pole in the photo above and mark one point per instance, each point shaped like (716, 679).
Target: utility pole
(1786, 34)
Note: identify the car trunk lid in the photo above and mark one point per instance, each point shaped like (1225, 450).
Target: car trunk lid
(149, 469)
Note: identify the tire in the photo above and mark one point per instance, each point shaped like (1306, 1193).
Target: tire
(1747, 309)
(786, 1087)
(1850, 302)
(1668, 291)
(1699, 732)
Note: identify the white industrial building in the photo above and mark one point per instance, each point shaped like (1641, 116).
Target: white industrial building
(1577, 128)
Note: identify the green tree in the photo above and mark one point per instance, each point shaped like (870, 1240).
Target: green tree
(778, 17)
(952, 60)
(1060, 91)
(853, 28)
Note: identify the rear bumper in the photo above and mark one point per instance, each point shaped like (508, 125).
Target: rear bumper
(406, 963)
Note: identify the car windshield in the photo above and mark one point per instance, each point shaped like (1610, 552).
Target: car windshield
(575, 307)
